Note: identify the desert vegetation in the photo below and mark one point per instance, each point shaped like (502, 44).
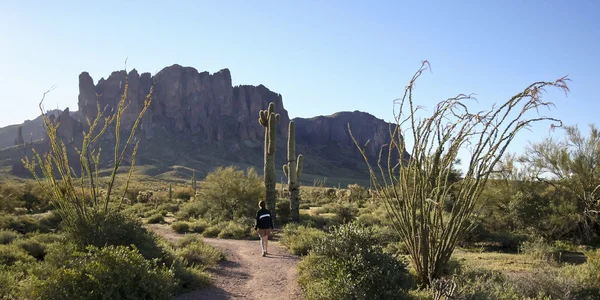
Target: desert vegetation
(499, 225)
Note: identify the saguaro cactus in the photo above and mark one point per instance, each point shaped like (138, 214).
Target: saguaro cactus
(292, 171)
(194, 184)
(269, 119)
(170, 192)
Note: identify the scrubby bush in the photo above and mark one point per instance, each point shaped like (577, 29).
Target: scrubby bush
(284, 211)
(199, 226)
(32, 247)
(199, 254)
(181, 227)
(212, 231)
(10, 254)
(345, 212)
(7, 236)
(114, 229)
(300, 239)
(540, 249)
(228, 193)
(156, 219)
(193, 209)
(349, 264)
(106, 273)
(184, 193)
(233, 230)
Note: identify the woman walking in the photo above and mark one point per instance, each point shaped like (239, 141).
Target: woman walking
(264, 225)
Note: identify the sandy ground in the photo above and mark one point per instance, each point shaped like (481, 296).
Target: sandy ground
(245, 274)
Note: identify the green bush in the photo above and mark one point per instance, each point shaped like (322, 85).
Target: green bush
(233, 230)
(212, 231)
(345, 212)
(10, 254)
(199, 226)
(181, 227)
(156, 219)
(227, 194)
(106, 273)
(200, 254)
(7, 236)
(194, 209)
(316, 221)
(300, 239)
(349, 264)
(114, 229)
(8, 284)
(284, 211)
(539, 249)
(32, 247)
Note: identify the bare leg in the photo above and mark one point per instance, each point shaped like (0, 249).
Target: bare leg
(266, 242)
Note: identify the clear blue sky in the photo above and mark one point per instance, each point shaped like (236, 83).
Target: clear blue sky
(322, 56)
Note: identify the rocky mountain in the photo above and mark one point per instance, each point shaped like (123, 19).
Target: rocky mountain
(200, 120)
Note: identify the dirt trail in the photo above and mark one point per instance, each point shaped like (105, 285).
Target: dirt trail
(245, 274)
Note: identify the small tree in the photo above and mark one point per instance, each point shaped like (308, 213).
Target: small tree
(415, 190)
(572, 166)
(228, 193)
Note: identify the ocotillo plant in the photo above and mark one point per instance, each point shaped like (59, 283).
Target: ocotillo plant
(269, 119)
(415, 191)
(292, 170)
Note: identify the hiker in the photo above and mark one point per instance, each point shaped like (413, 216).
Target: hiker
(264, 225)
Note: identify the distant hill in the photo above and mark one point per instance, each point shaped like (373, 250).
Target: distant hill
(199, 121)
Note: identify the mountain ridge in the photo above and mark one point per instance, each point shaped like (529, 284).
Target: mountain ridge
(202, 115)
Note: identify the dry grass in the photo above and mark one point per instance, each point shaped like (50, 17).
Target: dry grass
(495, 261)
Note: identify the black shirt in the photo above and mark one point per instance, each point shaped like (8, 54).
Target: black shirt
(263, 219)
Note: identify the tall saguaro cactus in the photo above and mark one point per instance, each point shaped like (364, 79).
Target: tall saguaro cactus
(292, 171)
(269, 119)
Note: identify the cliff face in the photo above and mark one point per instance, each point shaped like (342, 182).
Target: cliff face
(200, 120)
(184, 101)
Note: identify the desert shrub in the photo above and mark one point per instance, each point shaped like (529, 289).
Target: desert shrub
(7, 236)
(300, 239)
(212, 231)
(113, 229)
(193, 209)
(98, 273)
(184, 193)
(32, 247)
(10, 254)
(169, 207)
(283, 211)
(314, 221)
(233, 230)
(23, 224)
(138, 210)
(181, 227)
(189, 239)
(191, 278)
(368, 219)
(304, 205)
(228, 193)
(8, 284)
(198, 226)
(345, 213)
(349, 264)
(199, 254)
(156, 219)
(540, 249)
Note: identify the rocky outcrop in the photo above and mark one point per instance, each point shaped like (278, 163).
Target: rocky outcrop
(198, 117)
(323, 130)
(184, 101)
